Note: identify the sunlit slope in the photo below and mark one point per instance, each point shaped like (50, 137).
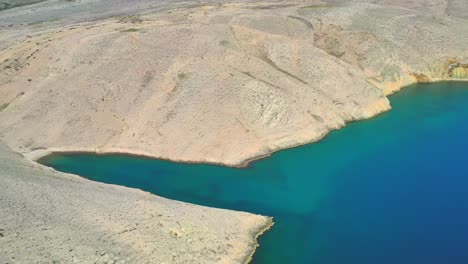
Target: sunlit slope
(221, 83)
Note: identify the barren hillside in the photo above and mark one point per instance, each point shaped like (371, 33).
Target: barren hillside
(219, 83)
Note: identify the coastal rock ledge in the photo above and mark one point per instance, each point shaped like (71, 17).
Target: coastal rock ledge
(52, 217)
(209, 81)
(214, 82)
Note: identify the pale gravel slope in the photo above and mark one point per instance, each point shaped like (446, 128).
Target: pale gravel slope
(205, 82)
(218, 83)
(52, 217)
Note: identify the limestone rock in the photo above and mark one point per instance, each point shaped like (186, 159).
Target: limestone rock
(49, 217)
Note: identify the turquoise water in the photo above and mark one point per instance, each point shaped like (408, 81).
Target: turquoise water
(393, 189)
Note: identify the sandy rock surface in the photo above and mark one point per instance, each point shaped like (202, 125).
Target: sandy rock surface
(196, 81)
(52, 217)
(213, 82)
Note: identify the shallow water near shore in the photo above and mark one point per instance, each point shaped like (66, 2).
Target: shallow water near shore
(392, 189)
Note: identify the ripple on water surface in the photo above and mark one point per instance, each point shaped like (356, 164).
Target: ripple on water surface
(392, 189)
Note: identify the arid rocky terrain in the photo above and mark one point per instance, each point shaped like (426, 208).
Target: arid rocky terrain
(214, 82)
(52, 217)
(194, 81)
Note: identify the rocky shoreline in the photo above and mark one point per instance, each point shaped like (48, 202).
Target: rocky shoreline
(52, 216)
(217, 83)
(213, 82)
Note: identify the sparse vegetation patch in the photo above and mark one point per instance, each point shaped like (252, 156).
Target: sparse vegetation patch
(130, 30)
(133, 19)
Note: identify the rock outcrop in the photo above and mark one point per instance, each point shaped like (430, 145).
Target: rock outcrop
(52, 217)
(194, 81)
(218, 83)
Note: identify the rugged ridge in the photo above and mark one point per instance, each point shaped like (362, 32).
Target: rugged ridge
(48, 216)
(218, 83)
(194, 81)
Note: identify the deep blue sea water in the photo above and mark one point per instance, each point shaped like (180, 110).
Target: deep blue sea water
(392, 189)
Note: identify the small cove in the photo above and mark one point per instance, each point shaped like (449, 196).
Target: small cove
(392, 189)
